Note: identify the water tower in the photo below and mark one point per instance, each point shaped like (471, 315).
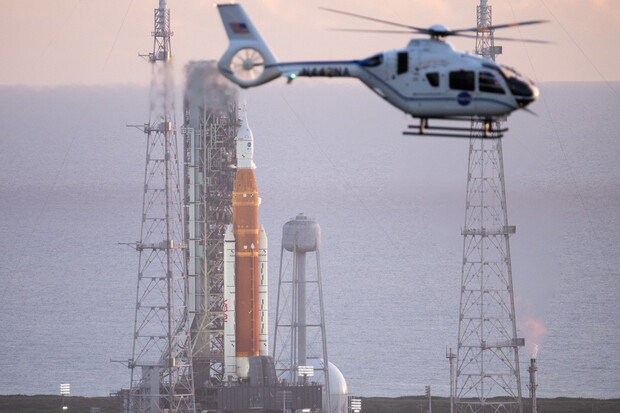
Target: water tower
(300, 348)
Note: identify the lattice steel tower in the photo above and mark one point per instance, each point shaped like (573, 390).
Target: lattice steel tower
(161, 364)
(487, 372)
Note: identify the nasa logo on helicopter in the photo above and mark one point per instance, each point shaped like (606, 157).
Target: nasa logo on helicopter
(428, 79)
(464, 98)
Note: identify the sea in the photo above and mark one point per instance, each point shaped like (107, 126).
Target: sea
(391, 208)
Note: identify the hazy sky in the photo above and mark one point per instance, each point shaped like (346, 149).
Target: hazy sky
(95, 42)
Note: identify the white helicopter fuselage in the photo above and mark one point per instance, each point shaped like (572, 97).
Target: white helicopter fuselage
(427, 79)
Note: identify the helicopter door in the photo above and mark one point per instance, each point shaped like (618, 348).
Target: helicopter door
(414, 59)
(402, 63)
(462, 89)
(400, 73)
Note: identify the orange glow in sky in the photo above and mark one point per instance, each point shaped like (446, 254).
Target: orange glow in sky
(94, 42)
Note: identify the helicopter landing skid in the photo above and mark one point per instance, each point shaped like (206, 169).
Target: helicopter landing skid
(486, 132)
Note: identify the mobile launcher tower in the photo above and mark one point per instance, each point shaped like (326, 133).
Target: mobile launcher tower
(209, 129)
(227, 257)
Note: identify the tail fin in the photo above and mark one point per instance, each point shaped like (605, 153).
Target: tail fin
(247, 61)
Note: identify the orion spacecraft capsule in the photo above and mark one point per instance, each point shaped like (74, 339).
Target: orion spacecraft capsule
(245, 267)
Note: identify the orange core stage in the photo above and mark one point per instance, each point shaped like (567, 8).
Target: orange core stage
(246, 231)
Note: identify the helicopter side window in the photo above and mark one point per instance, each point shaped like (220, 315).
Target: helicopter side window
(433, 78)
(373, 61)
(488, 83)
(462, 80)
(403, 63)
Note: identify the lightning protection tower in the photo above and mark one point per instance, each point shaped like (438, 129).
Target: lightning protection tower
(300, 345)
(161, 364)
(487, 372)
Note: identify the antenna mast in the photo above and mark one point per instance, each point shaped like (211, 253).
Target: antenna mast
(487, 363)
(161, 363)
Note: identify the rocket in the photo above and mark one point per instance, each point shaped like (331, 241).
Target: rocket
(245, 267)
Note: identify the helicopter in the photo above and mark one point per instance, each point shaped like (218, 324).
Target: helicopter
(428, 79)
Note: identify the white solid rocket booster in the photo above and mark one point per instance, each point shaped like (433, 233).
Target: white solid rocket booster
(263, 290)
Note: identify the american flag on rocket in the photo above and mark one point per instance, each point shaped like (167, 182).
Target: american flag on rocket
(239, 28)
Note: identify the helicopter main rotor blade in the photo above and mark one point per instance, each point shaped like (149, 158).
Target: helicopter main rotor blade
(409, 32)
(359, 16)
(435, 33)
(507, 39)
(499, 26)
(513, 39)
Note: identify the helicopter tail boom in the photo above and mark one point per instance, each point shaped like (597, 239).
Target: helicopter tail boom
(247, 61)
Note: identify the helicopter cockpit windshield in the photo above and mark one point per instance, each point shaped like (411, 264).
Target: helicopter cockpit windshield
(523, 89)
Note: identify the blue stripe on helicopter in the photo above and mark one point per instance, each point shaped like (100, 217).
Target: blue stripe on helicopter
(414, 99)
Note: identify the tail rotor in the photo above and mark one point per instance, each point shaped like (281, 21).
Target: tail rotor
(247, 64)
